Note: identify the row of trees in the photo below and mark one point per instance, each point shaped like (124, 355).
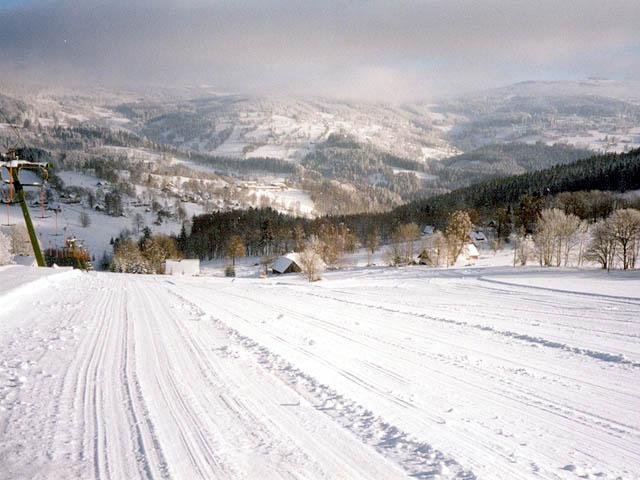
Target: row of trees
(441, 248)
(616, 240)
(562, 239)
(146, 255)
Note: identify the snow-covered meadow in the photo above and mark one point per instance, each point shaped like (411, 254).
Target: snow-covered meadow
(486, 372)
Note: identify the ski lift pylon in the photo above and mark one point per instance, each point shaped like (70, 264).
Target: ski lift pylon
(13, 165)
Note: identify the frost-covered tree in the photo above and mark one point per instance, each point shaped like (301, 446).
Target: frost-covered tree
(129, 259)
(335, 239)
(434, 250)
(405, 238)
(457, 233)
(524, 247)
(5, 249)
(311, 263)
(602, 247)
(625, 228)
(20, 241)
(568, 238)
(155, 254)
(372, 241)
(556, 237)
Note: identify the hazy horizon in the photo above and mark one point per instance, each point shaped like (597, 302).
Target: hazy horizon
(365, 50)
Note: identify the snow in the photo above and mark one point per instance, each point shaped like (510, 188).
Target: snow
(438, 153)
(25, 260)
(286, 200)
(484, 372)
(77, 179)
(183, 267)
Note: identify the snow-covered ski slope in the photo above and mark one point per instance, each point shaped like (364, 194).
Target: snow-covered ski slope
(489, 373)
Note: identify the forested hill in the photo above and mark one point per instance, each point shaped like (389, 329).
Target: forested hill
(615, 172)
(500, 159)
(264, 229)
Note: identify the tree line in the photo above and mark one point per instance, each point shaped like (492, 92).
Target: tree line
(507, 204)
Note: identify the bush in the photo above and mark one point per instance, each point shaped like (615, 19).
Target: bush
(229, 271)
(71, 255)
(129, 259)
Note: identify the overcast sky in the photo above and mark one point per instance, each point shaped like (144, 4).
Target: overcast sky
(369, 49)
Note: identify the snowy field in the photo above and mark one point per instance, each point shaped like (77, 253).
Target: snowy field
(371, 373)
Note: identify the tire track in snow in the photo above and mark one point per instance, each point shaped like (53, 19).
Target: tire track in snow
(100, 391)
(620, 299)
(137, 411)
(525, 392)
(197, 446)
(419, 459)
(598, 355)
(279, 436)
(41, 335)
(340, 331)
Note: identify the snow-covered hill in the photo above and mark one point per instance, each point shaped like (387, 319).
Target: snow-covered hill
(595, 114)
(371, 373)
(287, 127)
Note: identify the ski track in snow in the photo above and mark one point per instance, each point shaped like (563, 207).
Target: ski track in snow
(387, 375)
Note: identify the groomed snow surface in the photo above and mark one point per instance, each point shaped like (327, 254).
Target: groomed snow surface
(371, 373)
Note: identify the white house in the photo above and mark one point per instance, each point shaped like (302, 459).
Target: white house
(190, 267)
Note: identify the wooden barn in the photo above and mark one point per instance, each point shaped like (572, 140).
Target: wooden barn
(289, 263)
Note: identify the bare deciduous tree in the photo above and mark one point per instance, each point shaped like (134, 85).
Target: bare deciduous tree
(556, 237)
(434, 250)
(457, 233)
(625, 228)
(372, 241)
(404, 239)
(311, 263)
(602, 247)
(336, 239)
(523, 247)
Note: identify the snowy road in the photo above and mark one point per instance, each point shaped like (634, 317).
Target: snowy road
(370, 374)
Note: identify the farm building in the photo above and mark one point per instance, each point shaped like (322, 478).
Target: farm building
(289, 263)
(190, 267)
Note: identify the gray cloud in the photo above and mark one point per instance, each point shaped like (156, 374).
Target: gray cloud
(374, 49)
